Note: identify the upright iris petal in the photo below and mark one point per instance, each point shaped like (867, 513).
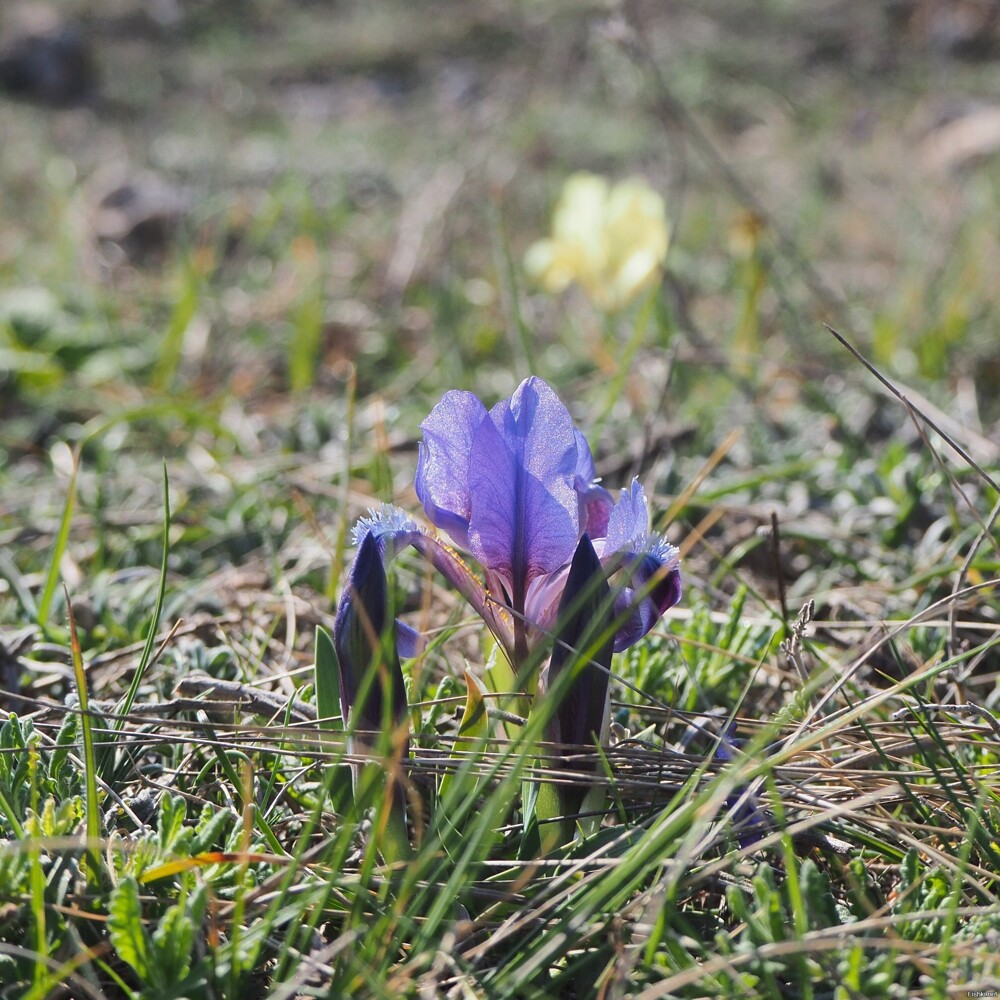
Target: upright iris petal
(525, 516)
(443, 463)
(628, 524)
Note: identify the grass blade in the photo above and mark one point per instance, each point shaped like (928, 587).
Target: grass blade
(125, 706)
(326, 678)
(92, 806)
(59, 548)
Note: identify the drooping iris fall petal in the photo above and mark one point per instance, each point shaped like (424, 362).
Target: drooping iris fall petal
(650, 567)
(393, 530)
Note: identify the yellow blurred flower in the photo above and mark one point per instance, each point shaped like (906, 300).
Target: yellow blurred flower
(610, 239)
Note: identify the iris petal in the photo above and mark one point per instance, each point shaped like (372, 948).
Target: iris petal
(628, 523)
(585, 471)
(650, 565)
(595, 503)
(442, 482)
(656, 585)
(525, 516)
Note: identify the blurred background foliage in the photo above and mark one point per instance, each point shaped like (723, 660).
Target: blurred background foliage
(256, 240)
(260, 239)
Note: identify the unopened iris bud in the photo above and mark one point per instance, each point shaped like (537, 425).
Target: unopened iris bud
(364, 637)
(584, 644)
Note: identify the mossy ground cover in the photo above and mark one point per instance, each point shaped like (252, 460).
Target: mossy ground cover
(233, 282)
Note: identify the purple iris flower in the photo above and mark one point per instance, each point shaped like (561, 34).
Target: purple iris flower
(515, 488)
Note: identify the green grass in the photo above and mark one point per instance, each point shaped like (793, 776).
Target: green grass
(189, 427)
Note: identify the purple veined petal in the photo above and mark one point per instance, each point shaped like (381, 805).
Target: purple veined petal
(409, 641)
(595, 502)
(525, 516)
(541, 608)
(595, 507)
(458, 573)
(585, 471)
(655, 586)
(650, 567)
(390, 526)
(628, 523)
(649, 580)
(444, 457)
